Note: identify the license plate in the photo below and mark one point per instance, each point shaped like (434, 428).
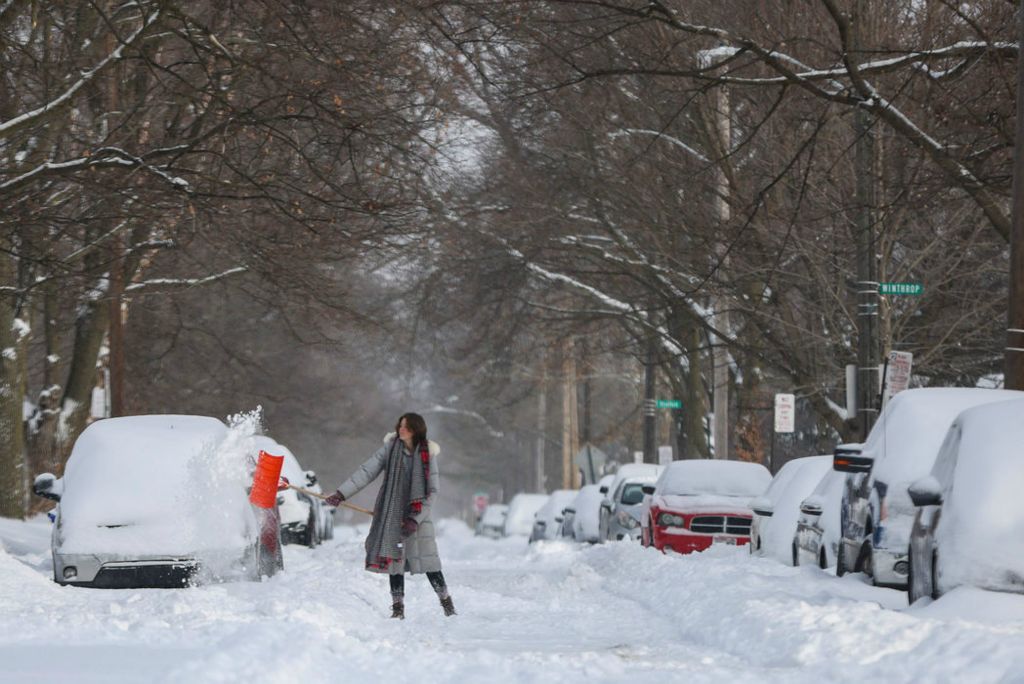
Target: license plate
(722, 539)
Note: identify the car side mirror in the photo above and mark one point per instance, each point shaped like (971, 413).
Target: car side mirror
(310, 478)
(603, 489)
(762, 506)
(850, 458)
(647, 489)
(811, 506)
(48, 486)
(925, 492)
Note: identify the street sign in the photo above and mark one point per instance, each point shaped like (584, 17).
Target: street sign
(785, 412)
(670, 403)
(897, 373)
(900, 288)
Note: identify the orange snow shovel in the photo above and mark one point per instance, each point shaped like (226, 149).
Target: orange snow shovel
(322, 497)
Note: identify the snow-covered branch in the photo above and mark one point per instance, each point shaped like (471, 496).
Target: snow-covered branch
(661, 136)
(11, 125)
(182, 282)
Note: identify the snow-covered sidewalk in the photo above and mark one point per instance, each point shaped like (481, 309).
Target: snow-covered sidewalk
(553, 612)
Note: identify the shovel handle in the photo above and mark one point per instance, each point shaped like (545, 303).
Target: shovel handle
(322, 497)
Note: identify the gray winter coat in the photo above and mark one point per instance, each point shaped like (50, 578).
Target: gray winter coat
(421, 547)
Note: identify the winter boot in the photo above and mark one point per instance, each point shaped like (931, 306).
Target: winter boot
(449, 607)
(398, 610)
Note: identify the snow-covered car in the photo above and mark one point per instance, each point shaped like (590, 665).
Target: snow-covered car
(547, 522)
(158, 501)
(521, 510)
(492, 522)
(620, 512)
(969, 527)
(776, 512)
(695, 504)
(582, 515)
(304, 519)
(877, 513)
(816, 539)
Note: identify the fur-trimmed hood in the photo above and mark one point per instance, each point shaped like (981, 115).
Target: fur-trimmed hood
(433, 447)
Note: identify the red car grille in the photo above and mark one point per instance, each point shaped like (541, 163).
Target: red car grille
(720, 524)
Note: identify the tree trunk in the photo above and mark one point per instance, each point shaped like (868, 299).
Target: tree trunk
(13, 466)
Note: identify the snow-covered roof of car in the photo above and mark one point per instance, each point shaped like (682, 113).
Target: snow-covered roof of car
(290, 468)
(174, 479)
(907, 436)
(558, 500)
(721, 478)
(521, 511)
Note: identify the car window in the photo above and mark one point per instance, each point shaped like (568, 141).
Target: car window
(945, 462)
(632, 494)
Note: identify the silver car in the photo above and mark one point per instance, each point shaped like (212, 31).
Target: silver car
(620, 511)
(157, 501)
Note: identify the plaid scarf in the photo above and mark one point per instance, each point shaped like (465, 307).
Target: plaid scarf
(399, 497)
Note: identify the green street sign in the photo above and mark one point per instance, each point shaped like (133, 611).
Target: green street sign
(900, 288)
(670, 403)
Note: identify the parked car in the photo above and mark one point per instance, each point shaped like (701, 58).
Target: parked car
(877, 514)
(492, 522)
(521, 510)
(620, 512)
(582, 515)
(547, 522)
(695, 504)
(305, 519)
(816, 539)
(157, 501)
(776, 512)
(969, 527)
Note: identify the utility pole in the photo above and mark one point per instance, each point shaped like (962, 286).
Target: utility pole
(867, 278)
(116, 330)
(1013, 365)
(570, 421)
(542, 426)
(650, 413)
(722, 131)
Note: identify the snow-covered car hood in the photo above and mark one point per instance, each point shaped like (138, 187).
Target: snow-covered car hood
(702, 503)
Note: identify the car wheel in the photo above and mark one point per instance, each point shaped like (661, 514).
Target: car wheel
(865, 561)
(311, 539)
(840, 560)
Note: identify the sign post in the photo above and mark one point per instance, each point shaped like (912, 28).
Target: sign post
(785, 412)
(897, 374)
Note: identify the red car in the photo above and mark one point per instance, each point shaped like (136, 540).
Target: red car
(695, 504)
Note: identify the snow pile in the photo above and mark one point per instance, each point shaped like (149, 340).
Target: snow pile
(586, 522)
(719, 478)
(908, 434)
(521, 511)
(551, 613)
(981, 532)
(802, 476)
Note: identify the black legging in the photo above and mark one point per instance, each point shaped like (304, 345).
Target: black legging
(436, 580)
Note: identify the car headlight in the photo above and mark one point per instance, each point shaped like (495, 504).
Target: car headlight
(627, 521)
(671, 520)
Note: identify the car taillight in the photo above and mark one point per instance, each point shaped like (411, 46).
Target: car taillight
(671, 520)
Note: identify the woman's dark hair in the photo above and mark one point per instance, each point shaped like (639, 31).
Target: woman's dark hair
(416, 424)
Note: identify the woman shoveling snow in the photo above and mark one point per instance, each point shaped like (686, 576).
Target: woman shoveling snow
(401, 537)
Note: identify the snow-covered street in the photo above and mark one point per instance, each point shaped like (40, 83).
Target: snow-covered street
(549, 612)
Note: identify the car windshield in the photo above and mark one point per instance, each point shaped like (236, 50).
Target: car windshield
(632, 494)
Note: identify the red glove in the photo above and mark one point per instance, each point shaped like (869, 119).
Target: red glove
(334, 499)
(409, 527)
